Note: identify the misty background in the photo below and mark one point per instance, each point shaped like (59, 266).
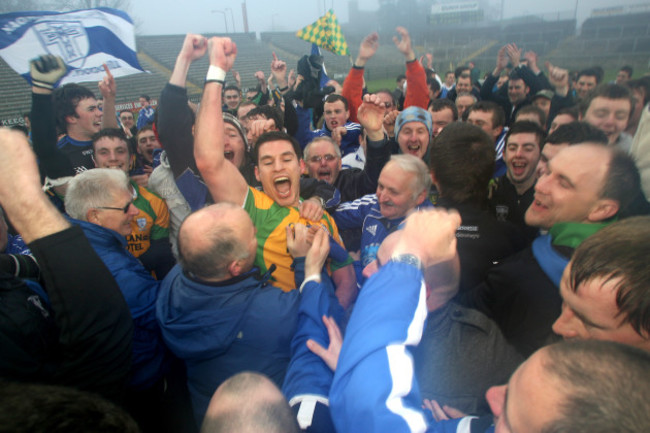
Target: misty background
(573, 34)
(164, 17)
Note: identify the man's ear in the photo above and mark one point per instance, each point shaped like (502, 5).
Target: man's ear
(604, 209)
(92, 216)
(257, 174)
(71, 119)
(421, 197)
(302, 165)
(235, 267)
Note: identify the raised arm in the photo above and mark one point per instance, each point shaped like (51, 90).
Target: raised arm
(194, 47)
(108, 89)
(175, 119)
(416, 89)
(45, 72)
(353, 83)
(93, 321)
(374, 387)
(223, 179)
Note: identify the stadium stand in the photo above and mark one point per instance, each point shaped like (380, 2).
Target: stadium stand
(607, 41)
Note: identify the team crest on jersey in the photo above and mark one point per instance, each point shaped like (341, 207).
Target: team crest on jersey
(141, 222)
(67, 39)
(502, 212)
(372, 229)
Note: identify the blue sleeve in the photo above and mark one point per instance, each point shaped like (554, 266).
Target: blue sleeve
(350, 215)
(142, 119)
(303, 134)
(374, 387)
(350, 141)
(307, 373)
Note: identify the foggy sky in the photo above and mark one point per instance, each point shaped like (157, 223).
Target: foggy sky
(179, 17)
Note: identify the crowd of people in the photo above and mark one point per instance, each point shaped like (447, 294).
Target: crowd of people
(299, 257)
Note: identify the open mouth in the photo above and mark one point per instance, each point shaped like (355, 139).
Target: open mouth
(282, 186)
(324, 174)
(538, 205)
(228, 154)
(413, 149)
(518, 168)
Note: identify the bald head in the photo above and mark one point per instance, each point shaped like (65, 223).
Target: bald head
(217, 242)
(248, 403)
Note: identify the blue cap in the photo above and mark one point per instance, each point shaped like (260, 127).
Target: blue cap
(413, 114)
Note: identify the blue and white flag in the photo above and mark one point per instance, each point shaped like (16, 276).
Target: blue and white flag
(85, 39)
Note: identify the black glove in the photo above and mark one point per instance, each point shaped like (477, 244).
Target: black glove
(46, 71)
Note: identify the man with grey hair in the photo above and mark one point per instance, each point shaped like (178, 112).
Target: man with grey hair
(323, 155)
(100, 202)
(218, 313)
(403, 187)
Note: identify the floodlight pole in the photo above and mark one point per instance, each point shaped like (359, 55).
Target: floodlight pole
(224, 18)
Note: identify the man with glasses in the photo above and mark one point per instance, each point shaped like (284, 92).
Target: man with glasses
(101, 203)
(148, 235)
(323, 155)
(128, 123)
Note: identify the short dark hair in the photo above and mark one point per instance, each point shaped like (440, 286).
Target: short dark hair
(126, 111)
(400, 77)
(462, 161)
(66, 99)
(619, 251)
(527, 127)
(37, 408)
(275, 136)
(572, 111)
(441, 104)
(590, 72)
(622, 182)
(498, 115)
(642, 84)
(459, 71)
(628, 70)
(532, 109)
(576, 133)
(333, 97)
(111, 133)
(146, 97)
(268, 112)
(231, 87)
(604, 386)
(607, 91)
(147, 127)
(434, 85)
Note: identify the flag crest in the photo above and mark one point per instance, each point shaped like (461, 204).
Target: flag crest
(326, 33)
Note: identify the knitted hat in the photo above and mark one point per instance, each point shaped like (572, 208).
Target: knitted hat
(227, 117)
(413, 114)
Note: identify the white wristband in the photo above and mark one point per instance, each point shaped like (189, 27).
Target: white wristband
(215, 73)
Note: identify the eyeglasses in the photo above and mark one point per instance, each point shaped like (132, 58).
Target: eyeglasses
(125, 209)
(328, 158)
